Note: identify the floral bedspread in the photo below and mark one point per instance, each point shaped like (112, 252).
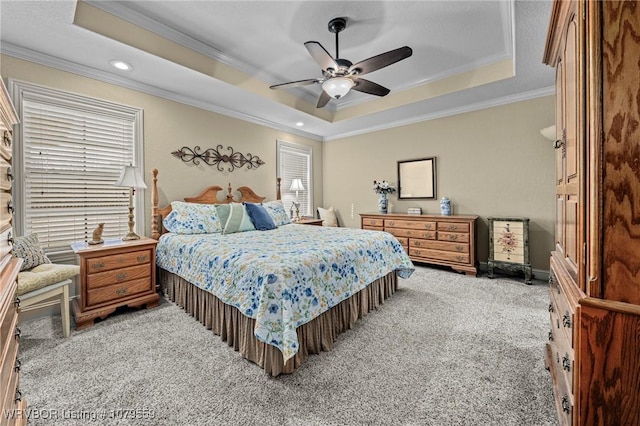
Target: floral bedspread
(283, 277)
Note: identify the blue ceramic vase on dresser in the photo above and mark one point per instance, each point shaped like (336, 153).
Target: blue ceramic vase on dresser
(383, 203)
(445, 206)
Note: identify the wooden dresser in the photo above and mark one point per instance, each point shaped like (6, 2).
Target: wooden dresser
(440, 240)
(593, 352)
(11, 402)
(115, 273)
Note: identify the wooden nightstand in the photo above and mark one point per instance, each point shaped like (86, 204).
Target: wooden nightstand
(509, 246)
(113, 274)
(309, 221)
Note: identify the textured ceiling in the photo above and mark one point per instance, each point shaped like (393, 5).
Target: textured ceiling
(223, 55)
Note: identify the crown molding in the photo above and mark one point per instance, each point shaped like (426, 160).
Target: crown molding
(106, 77)
(518, 97)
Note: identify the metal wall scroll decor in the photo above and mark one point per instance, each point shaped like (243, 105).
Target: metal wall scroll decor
(212, 156)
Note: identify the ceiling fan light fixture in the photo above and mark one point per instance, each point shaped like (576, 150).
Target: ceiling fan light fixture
(337, 87)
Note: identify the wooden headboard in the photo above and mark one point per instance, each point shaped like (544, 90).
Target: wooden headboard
(208, 196)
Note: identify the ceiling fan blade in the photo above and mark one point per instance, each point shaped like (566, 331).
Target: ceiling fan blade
(323, 100)
(295, 83)
(380, 61)
(320, 55)
(370, 87)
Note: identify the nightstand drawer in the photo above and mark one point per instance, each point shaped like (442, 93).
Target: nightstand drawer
(118, 276)
(118, 291)
(117, 261)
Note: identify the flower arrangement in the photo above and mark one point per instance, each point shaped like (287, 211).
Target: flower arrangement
(383, 187)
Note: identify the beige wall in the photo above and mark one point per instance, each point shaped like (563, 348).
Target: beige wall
(168, 126)
(492, 162)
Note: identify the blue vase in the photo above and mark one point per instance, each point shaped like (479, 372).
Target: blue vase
(445, 206)
(383, 202)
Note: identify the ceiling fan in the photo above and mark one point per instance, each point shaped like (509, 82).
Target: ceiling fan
(339, 76)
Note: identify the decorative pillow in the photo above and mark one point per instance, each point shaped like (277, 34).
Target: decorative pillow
(260, 217)
(234, 218)
(29, 249)
(277, 212)
(328, 216)
(192, 218)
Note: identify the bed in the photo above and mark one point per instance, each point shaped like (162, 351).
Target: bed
(278, 295)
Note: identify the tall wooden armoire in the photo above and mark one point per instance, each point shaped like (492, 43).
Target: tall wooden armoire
(593, 352)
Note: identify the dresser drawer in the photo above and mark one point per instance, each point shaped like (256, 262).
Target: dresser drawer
(410, 224)
(5, 245)
(373, 228)
(404, 241)
(439, 255)
(459, 237)
(6, 150)
(440, 245)
(10, 402)
(9, 363)
(8, 322)
(453, 227)
(6, 175)
(6, 210)
(563, 397)
(411, 233)
(118, 291)
(116, 276)
(367, 221)
(117, 261)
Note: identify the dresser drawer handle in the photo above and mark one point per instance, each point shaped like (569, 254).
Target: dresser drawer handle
(97, 265)
(453, 237)
(391, 223)
(551, 307)
(459, 247)
(10, 238)
(551, 335)
(459, 258)
(565, 404)
(566, 320)
(121, 277)
(427, 226)
(6, 138)
(17, 302)
(557, 323)
(417, 244)
(9, 173)
(10, 208)
(566, 362)
(428, 235)
(452, 227)
(121, 291)
(18, 365)
(143, 258)
(17, 333)
(18, 396)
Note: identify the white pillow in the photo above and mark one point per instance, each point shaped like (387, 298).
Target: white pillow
(328, 216)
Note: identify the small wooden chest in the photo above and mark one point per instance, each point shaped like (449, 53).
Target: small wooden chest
(509, 246)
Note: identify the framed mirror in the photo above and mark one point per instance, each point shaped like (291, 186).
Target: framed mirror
(417, 178)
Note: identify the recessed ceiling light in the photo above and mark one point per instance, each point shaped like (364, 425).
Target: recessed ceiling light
(299, 124)
(121, 65)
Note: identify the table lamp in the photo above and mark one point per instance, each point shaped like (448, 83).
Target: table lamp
(130, 177)
(296, 185)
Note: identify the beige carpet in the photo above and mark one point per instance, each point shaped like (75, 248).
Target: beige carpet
(446, 349)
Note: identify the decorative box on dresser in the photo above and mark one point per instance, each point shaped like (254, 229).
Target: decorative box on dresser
(435, 239)
(11, 402)
(593, 352)
(113, 274)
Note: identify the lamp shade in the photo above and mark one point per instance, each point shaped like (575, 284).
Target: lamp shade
(296, 185)
(337, 87)
(549, 132)
(131, 178)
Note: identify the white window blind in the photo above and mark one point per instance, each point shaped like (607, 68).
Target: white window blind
(294, 162)
(72, 151)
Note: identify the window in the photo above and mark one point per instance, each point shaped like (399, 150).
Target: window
(294, 162)
(69, 152)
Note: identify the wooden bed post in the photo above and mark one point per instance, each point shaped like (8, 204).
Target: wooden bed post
(278, 195)
(154, 205)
